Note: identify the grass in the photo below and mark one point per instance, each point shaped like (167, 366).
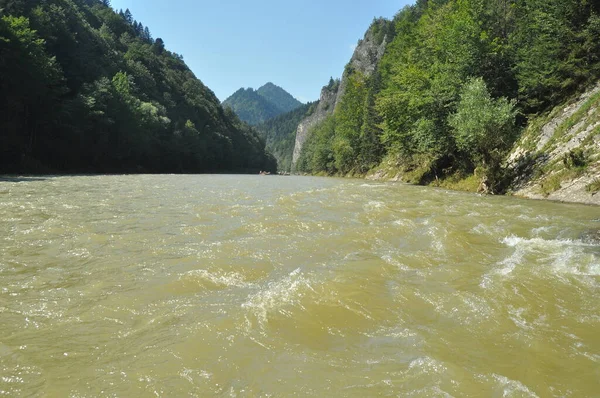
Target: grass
(559, 133)
(554, 182)
(459, 182)
(593, 187)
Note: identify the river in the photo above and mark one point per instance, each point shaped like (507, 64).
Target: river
(255, 286)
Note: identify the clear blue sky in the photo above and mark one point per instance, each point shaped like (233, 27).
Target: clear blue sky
(230, 44)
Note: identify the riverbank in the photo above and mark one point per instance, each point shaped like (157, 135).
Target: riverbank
(583, 189)
(556, 158)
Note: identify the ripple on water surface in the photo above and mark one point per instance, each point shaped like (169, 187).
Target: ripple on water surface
(286, 286)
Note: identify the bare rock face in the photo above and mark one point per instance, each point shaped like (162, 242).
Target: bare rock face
(560, 160)
(325, 107)
(365, 59)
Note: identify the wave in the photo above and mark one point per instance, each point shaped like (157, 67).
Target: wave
(562, 256)
(287, 291)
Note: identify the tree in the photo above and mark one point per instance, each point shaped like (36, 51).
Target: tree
(31, 84)
(128, 17)
(147, 36)
(159, 46)
(483, 127)
(82, 91)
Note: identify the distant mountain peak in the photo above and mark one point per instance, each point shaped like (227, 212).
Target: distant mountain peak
(257, 106)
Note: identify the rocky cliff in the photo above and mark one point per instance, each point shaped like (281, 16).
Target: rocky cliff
(366, 56)
(325, 107)
(558, 156)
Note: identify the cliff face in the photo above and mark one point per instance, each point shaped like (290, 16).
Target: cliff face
(325, 107)
(365, 59)
(558, 156)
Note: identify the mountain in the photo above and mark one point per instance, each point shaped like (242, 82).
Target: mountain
(354, 94)
(87, 89)
(255, 107)
(473, 95)
(279, 134)
(251, 107)
(279, 97)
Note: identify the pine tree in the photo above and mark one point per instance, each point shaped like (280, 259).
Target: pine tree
(128, 16)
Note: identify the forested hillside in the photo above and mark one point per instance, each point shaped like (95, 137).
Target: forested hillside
(279, 134)
(251, 107)
(257, 106)
(458, 81)
(278, 96)
(86, 89)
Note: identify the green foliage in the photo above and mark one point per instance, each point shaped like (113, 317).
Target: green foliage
(251, 107)
(255, 107)
(456, 82)
(87, 89)
(279, 97)
(317, 152)
(348, 141)
(574, 158)
(349, 120)
(279, 134)
(30, 88)
(553, 182)
(593, 187)
(483, 128)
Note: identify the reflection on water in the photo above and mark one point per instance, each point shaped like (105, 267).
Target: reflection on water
(285, 286)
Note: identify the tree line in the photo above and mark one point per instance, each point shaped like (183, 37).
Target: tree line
(456, 84)
(86, 89)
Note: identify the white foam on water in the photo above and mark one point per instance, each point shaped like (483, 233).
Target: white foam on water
(374, 204)
(405, 222)
(232, 279)
(438, 235)
(539, 243)
(476, 306)
(570, 262)
(516, 315)
(540, 230)
(372, 185)
(433, 391)
(392, 261)
(513, 388)
(562, 256)
(194, 376)
(509, 264)
(284, 292)
(427, 365)
(482, 229)
(525, 217)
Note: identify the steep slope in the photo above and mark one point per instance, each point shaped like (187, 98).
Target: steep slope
(325, 107)
(256, 106)
(279, 134)
(251, 107)
(359, 71)
(558, 156)
(279, 97)
(444, 91)
(86, 89)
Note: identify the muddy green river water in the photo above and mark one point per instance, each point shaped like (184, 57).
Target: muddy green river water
(255, 286)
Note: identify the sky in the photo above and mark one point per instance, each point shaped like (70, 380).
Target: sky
(230, 44)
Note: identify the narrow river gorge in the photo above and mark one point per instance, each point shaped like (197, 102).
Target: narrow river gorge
(247, 286)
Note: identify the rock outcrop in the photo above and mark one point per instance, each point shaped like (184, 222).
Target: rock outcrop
(366, 57)
(558, 158)
(324, 108)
